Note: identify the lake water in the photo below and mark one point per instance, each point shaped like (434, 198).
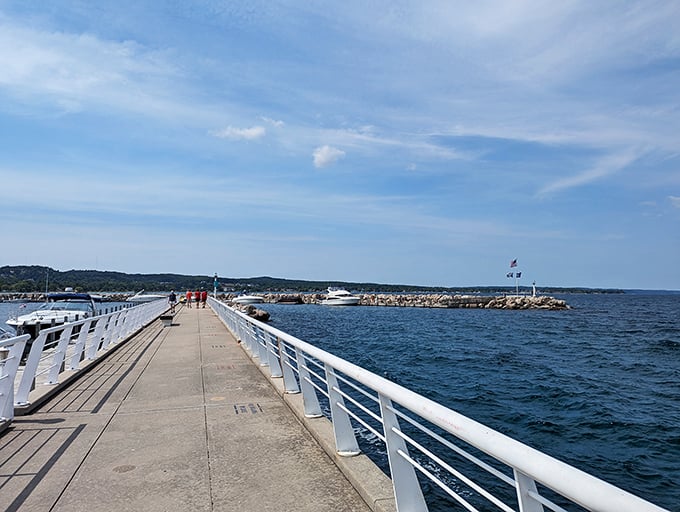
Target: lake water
(597, 386)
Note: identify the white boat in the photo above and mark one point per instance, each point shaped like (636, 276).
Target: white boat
(140, 297)
(339, 297)
(248, 299)
(60, 308)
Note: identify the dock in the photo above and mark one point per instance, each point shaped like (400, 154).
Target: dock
(176, 418)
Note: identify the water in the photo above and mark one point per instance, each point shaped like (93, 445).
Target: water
(597, 386)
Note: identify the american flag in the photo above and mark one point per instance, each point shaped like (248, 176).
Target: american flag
(513, 263)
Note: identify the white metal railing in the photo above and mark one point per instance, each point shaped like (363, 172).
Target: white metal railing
(472, 464)
(11, 350)
(64, 347)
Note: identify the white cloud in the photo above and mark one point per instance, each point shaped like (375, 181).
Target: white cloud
(73, 71)
(327, 155)
(675, 201)
(273, 122)
(608, 165)
(252, 133)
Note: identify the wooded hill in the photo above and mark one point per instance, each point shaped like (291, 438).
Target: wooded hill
(29, 279)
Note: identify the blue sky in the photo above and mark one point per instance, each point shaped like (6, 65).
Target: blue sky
(386, 141)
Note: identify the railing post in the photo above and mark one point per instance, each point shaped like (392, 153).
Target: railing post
(290, 383)
(272, 343)
(9, 365)
(79, 349)
(250, 338)
(309, 398)
(407, 491)
(59, 355)
(345, 440)
(524, 485)
(28, 377)
(96, 337)
(109, 330)
(261, 343)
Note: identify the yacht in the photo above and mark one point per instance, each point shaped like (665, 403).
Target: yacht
(248, 299)
(339, 297)
(140, 297)
(60, 308)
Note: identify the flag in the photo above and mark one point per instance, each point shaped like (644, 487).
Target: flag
(519, 274)
(509, 274)
(513, 263)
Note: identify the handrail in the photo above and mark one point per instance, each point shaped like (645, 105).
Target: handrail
(63, 348)
(530, 468)
(10, 357)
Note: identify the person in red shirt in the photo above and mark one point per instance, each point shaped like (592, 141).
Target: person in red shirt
(204, 298)
(189, 295)
(197, 297)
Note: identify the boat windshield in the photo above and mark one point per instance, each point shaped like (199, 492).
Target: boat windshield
(66, 306)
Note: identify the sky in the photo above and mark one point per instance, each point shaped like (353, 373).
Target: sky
(403, 142)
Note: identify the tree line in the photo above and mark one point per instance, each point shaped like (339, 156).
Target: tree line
(35, 278)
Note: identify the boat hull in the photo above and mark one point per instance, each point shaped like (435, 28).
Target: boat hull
(248, 299)
(353, 301)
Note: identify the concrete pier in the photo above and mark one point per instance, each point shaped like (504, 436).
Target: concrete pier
(177, 418)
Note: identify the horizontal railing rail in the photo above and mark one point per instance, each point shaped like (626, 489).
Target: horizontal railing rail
(425, 443)
(65, 347)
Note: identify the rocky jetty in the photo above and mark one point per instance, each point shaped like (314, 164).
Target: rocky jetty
(465, 301)
(252, 311)
(428, 300)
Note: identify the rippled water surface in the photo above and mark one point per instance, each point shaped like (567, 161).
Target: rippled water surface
(597, 386)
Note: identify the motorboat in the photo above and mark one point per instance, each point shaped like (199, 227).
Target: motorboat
(141, 297)
(340, 297)
(59, 308)
(248, 299)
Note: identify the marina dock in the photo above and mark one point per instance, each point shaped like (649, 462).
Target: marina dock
(177, 418)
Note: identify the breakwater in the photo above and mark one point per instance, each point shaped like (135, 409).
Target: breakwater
(427, 300)
(432, 300)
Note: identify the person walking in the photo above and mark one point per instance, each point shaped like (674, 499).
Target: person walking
(197, 298)
(204, 298)
(189, 295)
(172, 299)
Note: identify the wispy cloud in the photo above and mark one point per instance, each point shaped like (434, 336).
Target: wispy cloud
(273, 122)
(604, 167)
(675, 201)
(252, 133)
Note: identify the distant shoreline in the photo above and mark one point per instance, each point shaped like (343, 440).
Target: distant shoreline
(35, 279)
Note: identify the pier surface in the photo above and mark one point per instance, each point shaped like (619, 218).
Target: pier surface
(177, 418)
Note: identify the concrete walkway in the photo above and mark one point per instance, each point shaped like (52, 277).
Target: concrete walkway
(178, 418)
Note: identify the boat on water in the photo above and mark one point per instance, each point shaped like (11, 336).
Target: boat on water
(59, 308)
(340, 297)
(248, 299)
(141, 297)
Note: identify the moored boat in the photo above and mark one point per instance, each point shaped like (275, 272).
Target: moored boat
(248, 299)
(60, 308)
(141, 297)
(340, 297)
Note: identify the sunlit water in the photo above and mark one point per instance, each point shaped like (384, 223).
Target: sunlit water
(597, 386)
